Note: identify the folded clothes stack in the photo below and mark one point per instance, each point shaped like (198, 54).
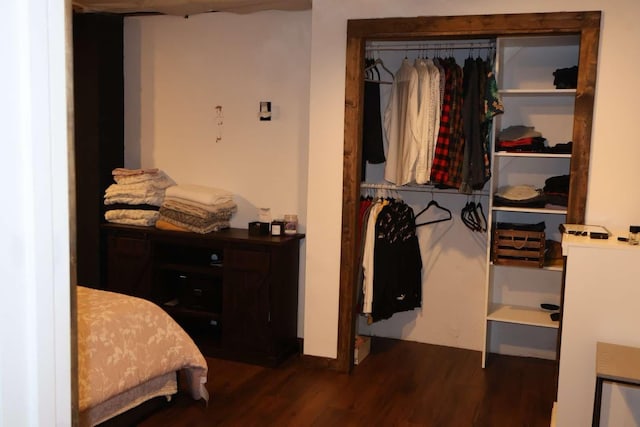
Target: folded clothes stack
(136, 196)
(520, 138)
(556, 190)
(196, 208)
(526, 139)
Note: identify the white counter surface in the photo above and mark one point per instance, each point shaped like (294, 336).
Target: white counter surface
(601, 303)
(612, 242)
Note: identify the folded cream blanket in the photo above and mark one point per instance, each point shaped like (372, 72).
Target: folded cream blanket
(132, 216)
(199, 194)
(126, 171)
(159, 180)
(222, 210)
(141, 189)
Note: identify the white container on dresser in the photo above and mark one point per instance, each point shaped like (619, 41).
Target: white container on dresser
(515, 324)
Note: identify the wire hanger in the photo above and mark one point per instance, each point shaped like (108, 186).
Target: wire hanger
(429, 205)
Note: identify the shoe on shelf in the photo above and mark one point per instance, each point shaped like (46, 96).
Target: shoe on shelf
(550, 307)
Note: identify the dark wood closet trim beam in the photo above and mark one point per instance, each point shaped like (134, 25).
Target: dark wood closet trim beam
(468, 26)
(585, 24)
(354, 96)
(582, 124)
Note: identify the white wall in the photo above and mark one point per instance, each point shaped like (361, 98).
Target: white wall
(34, 248)
(178, 70)
(612, 198)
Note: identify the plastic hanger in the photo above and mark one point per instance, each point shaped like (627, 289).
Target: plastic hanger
(373, 66)
(473, 217)
(430, 204)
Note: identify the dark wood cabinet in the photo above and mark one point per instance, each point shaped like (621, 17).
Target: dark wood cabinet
(98, 94)
(235, 294)
(129, 264)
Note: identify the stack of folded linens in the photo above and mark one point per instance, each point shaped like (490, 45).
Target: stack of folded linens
(196, 208)
(136, 196)
(520, 138)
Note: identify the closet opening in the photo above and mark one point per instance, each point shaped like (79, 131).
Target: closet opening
(426, 35)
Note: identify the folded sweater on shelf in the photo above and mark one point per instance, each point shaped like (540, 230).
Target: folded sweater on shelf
(224, 210)
(185, 218)
(203, 229)
(132, 216)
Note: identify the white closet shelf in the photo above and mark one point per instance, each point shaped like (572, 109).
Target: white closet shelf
(521, 315)
(530, 210)
(533, 155)
(558, 268)
(537, 92)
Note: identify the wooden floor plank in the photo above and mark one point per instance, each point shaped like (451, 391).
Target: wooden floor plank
(400, 383)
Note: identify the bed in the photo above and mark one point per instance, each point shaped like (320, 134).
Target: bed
(130, 351)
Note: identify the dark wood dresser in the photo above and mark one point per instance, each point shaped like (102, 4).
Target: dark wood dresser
(235, 294)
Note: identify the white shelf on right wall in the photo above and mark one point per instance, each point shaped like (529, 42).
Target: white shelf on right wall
(524, 71)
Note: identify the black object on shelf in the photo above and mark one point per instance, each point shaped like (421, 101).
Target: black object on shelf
(550, 307)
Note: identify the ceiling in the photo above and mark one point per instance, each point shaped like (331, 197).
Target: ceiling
(187, 7)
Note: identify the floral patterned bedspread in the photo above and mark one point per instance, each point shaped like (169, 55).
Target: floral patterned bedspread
(124, 341)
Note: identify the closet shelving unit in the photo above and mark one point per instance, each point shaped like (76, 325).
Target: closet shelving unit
(514, 322)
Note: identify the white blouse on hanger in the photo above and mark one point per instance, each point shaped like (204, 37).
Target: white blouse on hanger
(433, 111)
(367, 256)
(400, 121)
(428, 112)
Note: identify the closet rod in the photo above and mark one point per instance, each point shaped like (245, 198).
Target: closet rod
(430, 46)
(420, 188)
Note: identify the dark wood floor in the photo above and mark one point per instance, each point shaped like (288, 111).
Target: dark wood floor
(399, 384)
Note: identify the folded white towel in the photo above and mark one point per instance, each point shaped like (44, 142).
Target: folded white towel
(158, 179)
(134, 200)
(143, 189)
(199, 194)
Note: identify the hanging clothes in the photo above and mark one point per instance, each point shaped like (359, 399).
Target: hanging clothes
(424, 80)
(368, 260)
(400, 120)
(437, 123)
(456, 132)
(397, 275)
(372, 142)
(473, 161)
(433, 111)
(428, 115)
(372, 145)
(440, 167)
